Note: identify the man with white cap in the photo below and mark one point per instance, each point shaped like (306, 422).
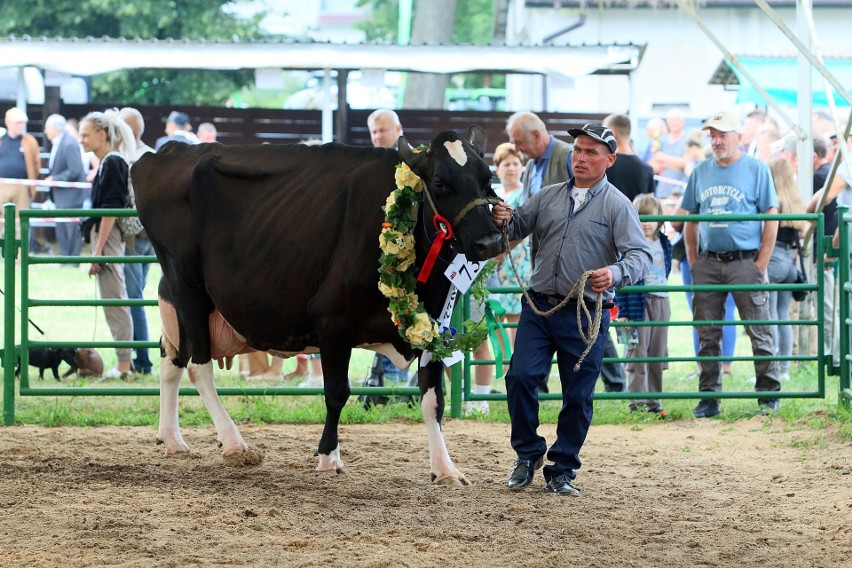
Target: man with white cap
(19, 159)
(583, 225)
(731, 252)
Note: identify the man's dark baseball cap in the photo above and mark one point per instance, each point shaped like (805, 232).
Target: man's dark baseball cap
(597, 131)
(179, 118)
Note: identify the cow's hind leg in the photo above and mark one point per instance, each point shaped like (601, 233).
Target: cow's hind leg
(170, 375)
(226, 431)
(443, 470)
(335, 370)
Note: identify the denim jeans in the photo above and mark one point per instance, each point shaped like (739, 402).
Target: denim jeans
(537, 340)
(782, 269)
(136, 275)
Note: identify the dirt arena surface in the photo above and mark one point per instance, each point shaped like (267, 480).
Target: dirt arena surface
(689, 493)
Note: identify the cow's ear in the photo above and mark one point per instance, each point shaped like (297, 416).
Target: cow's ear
(412, 159)
(477, 137)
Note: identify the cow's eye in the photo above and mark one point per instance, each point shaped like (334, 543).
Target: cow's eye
(438, 185)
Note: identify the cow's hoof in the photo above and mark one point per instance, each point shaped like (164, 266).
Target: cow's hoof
(244, 458)
(233, 448)
(173, 447)
(454, 478)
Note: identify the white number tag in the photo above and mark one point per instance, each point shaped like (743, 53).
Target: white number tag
(462, 272)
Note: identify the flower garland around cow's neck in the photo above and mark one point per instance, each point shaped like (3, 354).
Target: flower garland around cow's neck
(398, 277)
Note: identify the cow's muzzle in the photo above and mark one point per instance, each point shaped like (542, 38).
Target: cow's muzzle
(487, 247)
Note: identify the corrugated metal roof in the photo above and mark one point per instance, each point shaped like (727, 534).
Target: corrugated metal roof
(92, 56)
(778, 75)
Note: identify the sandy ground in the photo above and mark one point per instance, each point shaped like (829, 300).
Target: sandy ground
(689, 493)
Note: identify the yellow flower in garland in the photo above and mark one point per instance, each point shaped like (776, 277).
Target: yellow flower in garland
(391, 291)
(404, 177)
(391, 242)
(423, 331)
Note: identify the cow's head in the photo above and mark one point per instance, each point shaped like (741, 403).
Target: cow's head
(459, 182)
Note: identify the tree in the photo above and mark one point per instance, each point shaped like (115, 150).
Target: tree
(435, 21)
(145, 19)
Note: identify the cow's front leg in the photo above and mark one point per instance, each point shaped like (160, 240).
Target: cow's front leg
(335, 370)
(443, 470)
(226, 431)
(170, 375)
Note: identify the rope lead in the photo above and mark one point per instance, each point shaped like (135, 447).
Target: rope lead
(576, 291)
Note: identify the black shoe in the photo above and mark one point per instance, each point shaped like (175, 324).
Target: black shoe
(707, 408)
(522, 474)
(769, 406)
(561, 485)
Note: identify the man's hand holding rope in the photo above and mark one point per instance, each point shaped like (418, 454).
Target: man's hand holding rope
(501, 214)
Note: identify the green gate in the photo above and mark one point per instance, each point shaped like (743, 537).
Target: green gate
(460, 384)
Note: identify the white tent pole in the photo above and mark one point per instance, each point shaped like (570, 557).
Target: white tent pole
(838, 127)
(805, 147)
(779, 23)
(690, 11)
(632, 112)
(22, 90)
(327, 126)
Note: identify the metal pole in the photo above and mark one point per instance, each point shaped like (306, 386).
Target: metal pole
(805, 147)
(843, 300)
(9, 358)
(327, 126)
(21, 101)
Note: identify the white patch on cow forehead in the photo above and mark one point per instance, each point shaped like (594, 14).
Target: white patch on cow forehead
(456, 150)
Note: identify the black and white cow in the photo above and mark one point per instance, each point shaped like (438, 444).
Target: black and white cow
(276, 248)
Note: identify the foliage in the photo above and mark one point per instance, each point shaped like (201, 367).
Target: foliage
(146, 19)
(474, 23)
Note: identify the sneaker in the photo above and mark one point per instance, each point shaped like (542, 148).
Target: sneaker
(472, 407)
(313, 381)
(769, 406)
(707, 408)
(112, 374)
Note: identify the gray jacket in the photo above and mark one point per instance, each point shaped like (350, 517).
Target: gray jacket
(605, 232)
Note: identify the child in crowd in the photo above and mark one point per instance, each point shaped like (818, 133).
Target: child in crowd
(648, 306)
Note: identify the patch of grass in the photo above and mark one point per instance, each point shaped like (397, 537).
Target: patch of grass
(87, 323)
(816, 441)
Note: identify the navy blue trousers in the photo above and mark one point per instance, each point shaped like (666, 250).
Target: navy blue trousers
(538, 338)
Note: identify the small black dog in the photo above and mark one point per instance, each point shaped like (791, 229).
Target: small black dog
(50, 358)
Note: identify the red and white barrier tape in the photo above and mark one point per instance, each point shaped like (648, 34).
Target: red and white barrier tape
(45, 183)
(669, 180)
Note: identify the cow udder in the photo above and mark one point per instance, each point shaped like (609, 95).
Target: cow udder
(224, 339)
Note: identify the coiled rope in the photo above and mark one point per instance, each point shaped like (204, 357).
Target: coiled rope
(576, 293)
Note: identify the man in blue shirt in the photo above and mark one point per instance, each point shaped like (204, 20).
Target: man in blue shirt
(732, 252)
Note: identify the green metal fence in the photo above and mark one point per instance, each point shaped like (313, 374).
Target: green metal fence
(460, 383)
(843, 298)
(817, 286)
